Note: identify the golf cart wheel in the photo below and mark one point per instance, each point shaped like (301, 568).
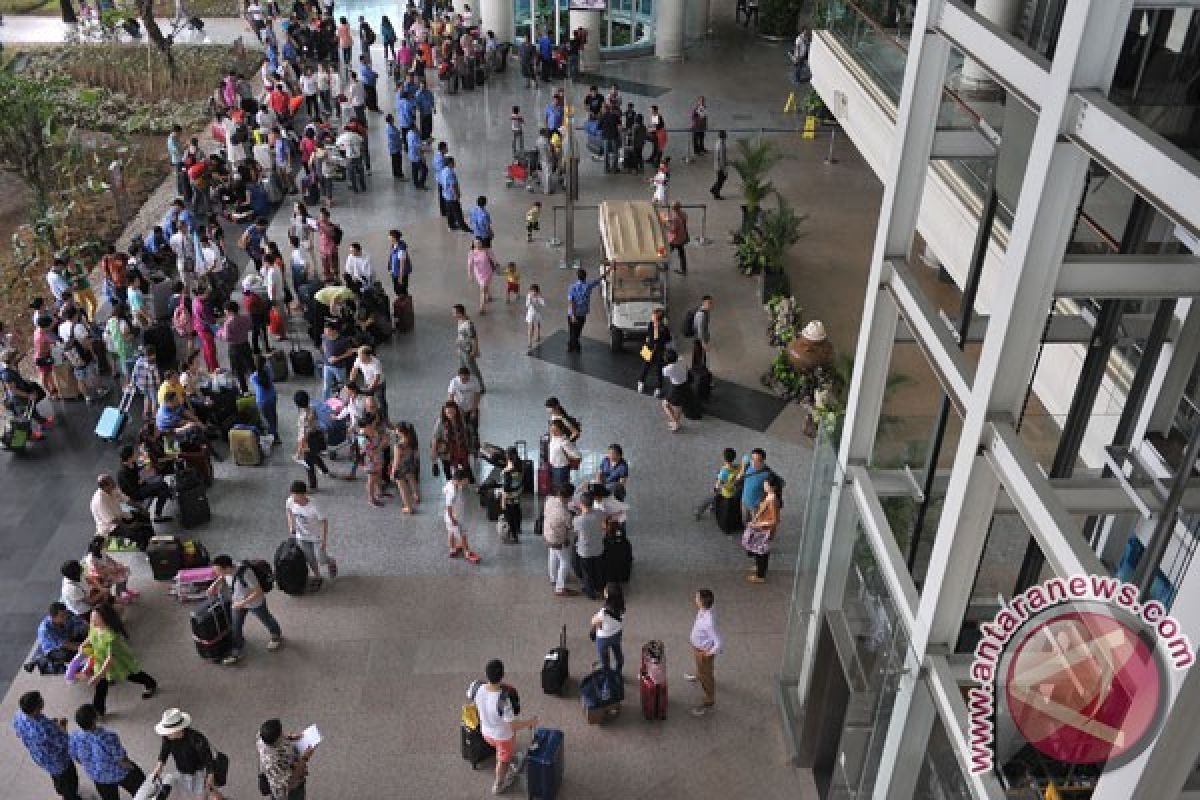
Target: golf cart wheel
(616, 340)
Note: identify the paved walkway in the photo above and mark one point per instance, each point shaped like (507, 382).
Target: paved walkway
(380, 659)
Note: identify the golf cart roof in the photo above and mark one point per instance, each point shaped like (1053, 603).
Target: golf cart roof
(632, 233)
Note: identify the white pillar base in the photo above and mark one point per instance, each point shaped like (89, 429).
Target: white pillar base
(668, 30)
(590, 21)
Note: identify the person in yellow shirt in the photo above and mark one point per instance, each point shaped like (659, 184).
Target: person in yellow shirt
(512, 283)
(170, 384)
(533, 219)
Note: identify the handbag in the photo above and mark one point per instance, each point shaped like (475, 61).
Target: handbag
(756, 540)
(646, 353)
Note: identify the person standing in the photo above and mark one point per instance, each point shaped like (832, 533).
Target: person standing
(754, 476)
(498, 722)
(701, 324)
(395, 145)
(589, 544)
(481, 222)
(399, 266)
(556, 531)
(236, 333)
(658, 337)
(115, 662)
(328, 235)
(351, 143)
(761, 531)
(607, 624)
(481, 269)
(309, 526)
(454, 494)
(579, 301)
(675, 378)
(175, 154)
(103, 758)
(47, 743)
(720, 165)
(467, 342)
(512, 484)
(416, 160)
(677, 235)
(451, 194)
(452, 445)
(699, 122)
(246, 596)
(426, 108)
(283, 769)
(195, 761)
(358, 272)
(706, 645)
(262, 381)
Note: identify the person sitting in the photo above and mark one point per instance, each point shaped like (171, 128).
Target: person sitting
(174, 418)
(141, 485)
(102, 571)
(58, 638)
(111, 518)
(614, 471)
(79, 598)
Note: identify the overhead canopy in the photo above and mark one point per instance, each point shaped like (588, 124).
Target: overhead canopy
(632, 233)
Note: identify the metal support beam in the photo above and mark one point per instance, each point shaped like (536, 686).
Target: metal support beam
(948, 699)
(962, 143)
(1019, 69)
(1153, 167)
(1129, 276)
(1064, 329)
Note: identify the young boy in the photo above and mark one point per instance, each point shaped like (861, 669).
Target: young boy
(706, 644)
(518, 133)
(531, 219)
(498, 707)
(455, 492)
(512, 283)
(144, 377)
(724, 486)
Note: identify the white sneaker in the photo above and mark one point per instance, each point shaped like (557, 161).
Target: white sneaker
(274, 644)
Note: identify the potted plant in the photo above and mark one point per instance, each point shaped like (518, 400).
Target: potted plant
(754, 160)
(813, 108)
(778, 230)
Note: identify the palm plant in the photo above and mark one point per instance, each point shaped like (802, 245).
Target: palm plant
(753, 162)
(779, 229)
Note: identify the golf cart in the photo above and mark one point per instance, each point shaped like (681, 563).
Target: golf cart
(635, 246)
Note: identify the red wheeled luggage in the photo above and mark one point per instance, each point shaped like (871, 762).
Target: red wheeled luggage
(652, 680)
(402, 313)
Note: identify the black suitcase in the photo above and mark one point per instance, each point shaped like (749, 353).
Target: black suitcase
(475, 748)
(291, 569)
(491, 500)
(468, 77)
(279, 365)
(727, 511)
(302, 361)
(193, 506)
(402, 314)
(556, 666)
(211, 629)
(165, 554)
(618, 557)
(163, 338)
(701, 380)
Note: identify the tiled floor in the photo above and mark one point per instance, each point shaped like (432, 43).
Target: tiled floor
(380, 659)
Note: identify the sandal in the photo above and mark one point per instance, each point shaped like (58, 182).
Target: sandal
(472, 556)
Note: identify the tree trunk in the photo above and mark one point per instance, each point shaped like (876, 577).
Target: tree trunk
(155, 34)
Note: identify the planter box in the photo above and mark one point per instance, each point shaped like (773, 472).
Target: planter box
(773, 283)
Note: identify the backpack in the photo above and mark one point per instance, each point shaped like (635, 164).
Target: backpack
(262, 573)
(181, 320)
(506, 693)
(689, 322)
(337, 234)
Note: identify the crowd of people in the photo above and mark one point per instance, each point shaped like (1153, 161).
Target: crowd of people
(298, 129)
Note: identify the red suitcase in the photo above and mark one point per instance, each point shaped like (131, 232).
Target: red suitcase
(201, 461)
(402, 313)
(543, 479)
(652, 680)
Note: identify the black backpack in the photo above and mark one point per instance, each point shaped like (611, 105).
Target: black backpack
(689, 322)
(262, 573)
(506, 692)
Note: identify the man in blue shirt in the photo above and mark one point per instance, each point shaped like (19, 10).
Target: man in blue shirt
(452, 195)
(103, 758)
(579, 301)
(439, 163)
(425, 109)
(398, 262)
(251, 241)
(754, 474)
(416, 159)
(554, 114)
(481, 222)
(406, 111)
(368, 77)
(58, 638)
(177, 215)
(395, 143)
(546, 54)
(46, 741)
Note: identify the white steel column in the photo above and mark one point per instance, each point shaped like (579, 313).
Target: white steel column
(497, 16)
(591, 22)
(1003, 14)
(668, 29)
(1175, 368)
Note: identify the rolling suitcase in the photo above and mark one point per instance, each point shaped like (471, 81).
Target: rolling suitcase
(491, 502)
(545, 764)
(652, 680)
(211, 629)
(617, 558)
(165, 554)
(701, 380)
(302, 361)
(243, 443)
(543, 479)
(728, 513)
(113, 418)
(279, 364)
(556, 666)
(195, 554)
(291, 569)
(475, 748)
(527, 474)
(601, 692)
(17, 432)
(199, 460)
(68, 387)
(403, 318)
(193, 506)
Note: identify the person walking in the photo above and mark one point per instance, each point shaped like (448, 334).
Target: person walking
(534, 306)
(309, 526)
(265, 396)
(761, 531)
(675, 378)
(467, 343)
(720, 165)
(706, 646)
(607, 624)
(454, 495)
(699, 123)
(282, 769)
(195, 761)
(452, 196)
(103, 758)
(310, 439)
(452, 445)
(579, 302)
(240, 586)
(47, 743)
(114, 659)
(658, 337)
(677, 235)
(481, 269)
(406, 466)
(497, 711)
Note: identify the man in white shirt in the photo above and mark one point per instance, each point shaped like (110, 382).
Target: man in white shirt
(110, 517)
(498, 723)
(454, 494)
(706, 644)
(358, 266)
(277, 291)
(58, 284)
(309, 525)
(206, 256)
(464, 391)
(351, 145)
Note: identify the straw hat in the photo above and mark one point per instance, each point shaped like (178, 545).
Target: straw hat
(173, 721)
(814, 331)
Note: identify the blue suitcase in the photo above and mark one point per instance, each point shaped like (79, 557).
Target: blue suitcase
(113, 418)
(545, 764)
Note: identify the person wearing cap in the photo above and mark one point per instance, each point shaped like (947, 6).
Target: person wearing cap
(47, 743)
(194, 774)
